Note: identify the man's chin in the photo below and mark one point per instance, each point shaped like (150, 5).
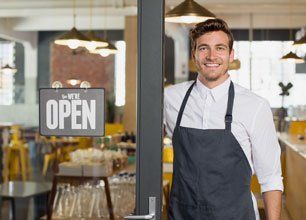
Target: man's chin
(212, 77)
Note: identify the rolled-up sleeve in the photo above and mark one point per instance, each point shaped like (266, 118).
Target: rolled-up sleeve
(166, 118)
(266, 150)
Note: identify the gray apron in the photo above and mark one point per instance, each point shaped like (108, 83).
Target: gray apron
(211, 174)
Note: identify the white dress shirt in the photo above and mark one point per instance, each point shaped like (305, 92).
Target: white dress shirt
(252, 125)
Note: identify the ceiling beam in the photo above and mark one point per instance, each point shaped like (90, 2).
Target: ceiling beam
(50, 23)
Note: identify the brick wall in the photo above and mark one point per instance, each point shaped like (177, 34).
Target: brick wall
(97, 70)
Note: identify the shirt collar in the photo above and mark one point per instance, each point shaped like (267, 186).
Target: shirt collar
(217, 92)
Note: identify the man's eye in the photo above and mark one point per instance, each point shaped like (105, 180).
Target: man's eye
(220, 48)
(202, 48)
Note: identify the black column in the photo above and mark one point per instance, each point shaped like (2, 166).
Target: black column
(149, 104)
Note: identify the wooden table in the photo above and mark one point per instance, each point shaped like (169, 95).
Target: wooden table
(20, 193)
(59, 144)
(295, 189)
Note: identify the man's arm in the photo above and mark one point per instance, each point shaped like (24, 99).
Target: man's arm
(273, 204)
(266, 160)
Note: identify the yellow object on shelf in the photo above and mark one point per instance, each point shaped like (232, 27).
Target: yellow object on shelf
(297, 127)
(111, 129)
(168, 155)
(168, 164)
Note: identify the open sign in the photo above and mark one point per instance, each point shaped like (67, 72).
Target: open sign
(71, 112)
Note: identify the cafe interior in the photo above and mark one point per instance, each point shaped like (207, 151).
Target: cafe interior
(93, 44)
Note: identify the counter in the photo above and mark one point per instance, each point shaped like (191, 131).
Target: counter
(295, 188)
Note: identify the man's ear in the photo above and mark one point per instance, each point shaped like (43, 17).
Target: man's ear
(193, 55)
(232, 55)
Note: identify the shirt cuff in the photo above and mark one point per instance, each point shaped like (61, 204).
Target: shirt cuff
(272, 183)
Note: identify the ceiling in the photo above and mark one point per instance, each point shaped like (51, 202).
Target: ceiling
(32, 15)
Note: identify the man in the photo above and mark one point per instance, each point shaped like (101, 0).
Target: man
(222, 134)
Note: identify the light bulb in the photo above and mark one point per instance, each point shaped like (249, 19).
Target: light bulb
(57, 84)
(73, 82)
(73, 44)
(104, 52)
(85, 85)
(91, 45)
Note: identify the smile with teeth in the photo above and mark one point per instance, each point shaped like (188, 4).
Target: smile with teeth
(212, 64)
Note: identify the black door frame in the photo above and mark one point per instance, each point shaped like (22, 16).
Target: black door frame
(150, 80)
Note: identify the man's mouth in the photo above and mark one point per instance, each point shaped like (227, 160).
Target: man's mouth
(212, 65)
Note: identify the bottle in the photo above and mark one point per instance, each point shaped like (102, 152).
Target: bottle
(133, 137)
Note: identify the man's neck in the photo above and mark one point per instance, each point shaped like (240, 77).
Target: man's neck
(213, 84)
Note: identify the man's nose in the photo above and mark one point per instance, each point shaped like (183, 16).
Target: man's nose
(211, 54)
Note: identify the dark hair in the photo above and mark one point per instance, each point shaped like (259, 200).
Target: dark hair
(207, 26)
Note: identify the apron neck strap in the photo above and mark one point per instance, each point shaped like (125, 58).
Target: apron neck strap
(229, 110)
(180, 114)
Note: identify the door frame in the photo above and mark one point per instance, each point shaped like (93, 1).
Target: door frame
(150, 81)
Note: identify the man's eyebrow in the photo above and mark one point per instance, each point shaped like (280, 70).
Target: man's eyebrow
(201, 45)
(223, 45)
(218, 45)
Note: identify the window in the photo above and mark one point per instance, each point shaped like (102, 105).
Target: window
(267, 71)
(120, 74)
(7, 79)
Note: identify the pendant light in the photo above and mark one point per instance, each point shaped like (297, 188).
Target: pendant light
(7, 69)
(188, 12)
(105, 51)
(73, 81)
(292, 57)
(94, 41)
(73, 38)
(110, 48)
(300, 43)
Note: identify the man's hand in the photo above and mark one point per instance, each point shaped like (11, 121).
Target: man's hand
(273, 204)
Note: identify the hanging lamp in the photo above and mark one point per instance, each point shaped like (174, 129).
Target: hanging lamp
(73, 81)
(292, 57)
(300, 43)
(8, 69)
(73, 38)
(105, 51)
(188, 12)
(94, 41)
(110, 48)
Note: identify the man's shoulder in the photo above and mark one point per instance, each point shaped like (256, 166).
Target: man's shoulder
(177, 90)
(249, 98)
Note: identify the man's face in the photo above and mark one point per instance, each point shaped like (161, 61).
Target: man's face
(212, 55)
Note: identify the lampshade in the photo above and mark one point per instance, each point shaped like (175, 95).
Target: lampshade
(95, 41)
(105, 51)
(73, 39)
(8, 69)
(188, 12)
(292, 57)
(300, 42)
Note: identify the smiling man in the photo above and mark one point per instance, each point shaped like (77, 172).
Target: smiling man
(222, 134)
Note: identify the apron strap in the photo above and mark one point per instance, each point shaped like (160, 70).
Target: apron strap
(180, 114)
(229, 110)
